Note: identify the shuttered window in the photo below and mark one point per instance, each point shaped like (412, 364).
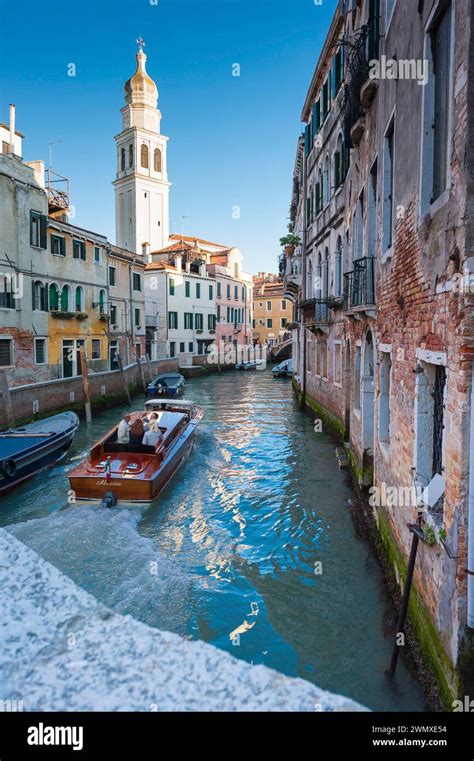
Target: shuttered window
(40, 351)
(37, 229)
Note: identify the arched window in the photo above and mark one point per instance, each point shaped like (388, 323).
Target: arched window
(66, 299)
(40, 296)
(144, 156)
(157, 160)
(102, 302)
(338, 268)
(53, 297)
(338, 163)
(122, 160)
(130, 156)
(309, 280)
(325, 275)
(79, 299)
(326, 179)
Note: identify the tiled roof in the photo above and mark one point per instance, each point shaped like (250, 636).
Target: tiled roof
(192, 238)
(159, 266)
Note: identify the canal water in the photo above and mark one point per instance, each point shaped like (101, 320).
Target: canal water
(251, 547)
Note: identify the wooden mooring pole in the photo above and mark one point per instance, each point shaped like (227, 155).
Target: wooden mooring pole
(417, 533)
(7, 402)
(85, 384)
(140, 372)
(124, 380)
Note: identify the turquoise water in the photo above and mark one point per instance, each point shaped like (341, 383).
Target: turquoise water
(228, 553)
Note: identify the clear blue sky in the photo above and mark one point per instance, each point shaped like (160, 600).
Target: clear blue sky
(232, 140)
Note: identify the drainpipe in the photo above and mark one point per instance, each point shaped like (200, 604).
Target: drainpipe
(470, 524)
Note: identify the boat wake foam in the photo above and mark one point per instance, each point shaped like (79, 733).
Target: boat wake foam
(102, 551)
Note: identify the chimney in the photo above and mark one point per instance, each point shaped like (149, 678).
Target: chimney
(178, 263)
(12, 128)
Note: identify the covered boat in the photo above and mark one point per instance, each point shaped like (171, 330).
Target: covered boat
(27, 450)
(166, 384)
(284, 370)
(129, 473)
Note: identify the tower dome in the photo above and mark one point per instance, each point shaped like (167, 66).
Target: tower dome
(140, 89)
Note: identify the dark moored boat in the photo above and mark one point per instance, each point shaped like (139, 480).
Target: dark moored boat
(166, 384)
(130, 473)
(284, 370)
(27, 450)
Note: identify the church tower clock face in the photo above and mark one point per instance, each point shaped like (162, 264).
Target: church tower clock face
(141, 183)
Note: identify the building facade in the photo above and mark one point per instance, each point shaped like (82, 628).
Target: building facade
(272, 312)
(125, 308)
(384, 339)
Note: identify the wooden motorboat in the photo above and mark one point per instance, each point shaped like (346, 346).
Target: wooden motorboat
(27, 450)
(166, 384)
(127, 473)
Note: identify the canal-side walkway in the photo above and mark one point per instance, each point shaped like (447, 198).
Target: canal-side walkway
(61, 650)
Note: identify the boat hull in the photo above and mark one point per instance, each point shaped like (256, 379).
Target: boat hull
(32, 460)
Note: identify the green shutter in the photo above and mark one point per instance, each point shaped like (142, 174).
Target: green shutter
(335, 78)
(306, 140)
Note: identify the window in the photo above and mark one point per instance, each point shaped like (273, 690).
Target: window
(97, 255)
(138, 350)
(58, 245)
(79, 300)
(436, 110)
(337, 363)
(102, 302)
(188, 321)
(144, 156)
(218, 313)
(388, 200)
(79, 249)
(269, 306)
(326, 182)
(53, 297)
(211, 293)
(157, 160)
(37, 229)
(138, 321)
(41, 357)
(384, 400)
(360, 226)
(191, 347)
(182, 347)
(187, 288)
(269, 322)
(372, 212)
(96, 348)
(357, 367)
(173, 320)
(324, 358)
(283, 322)
(6, 352)
(373, 31)
(236, 292)
(338, 163)
(326, 100)
(172, 349)
(337, 71)
(198, 290)
(199, 321)
(171, 286)
(113, 314)
(40, 296)
(7, 298)
(211, 321)
(228, 290)
(219, 290)
(137, 281)
(122, 160)
(338, 268)
(66, 299)
(130, 156)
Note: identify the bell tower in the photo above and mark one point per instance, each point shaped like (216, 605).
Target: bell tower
(141, 183)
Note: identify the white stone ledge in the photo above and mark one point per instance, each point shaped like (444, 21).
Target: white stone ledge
(61, 650)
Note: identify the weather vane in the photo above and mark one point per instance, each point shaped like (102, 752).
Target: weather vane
(140, 43)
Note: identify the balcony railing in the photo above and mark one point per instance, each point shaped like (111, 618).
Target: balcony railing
(359, 51)
(359, 284)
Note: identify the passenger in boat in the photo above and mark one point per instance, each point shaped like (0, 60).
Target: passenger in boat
(123, 432)
(153, 435)
(137, 430)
